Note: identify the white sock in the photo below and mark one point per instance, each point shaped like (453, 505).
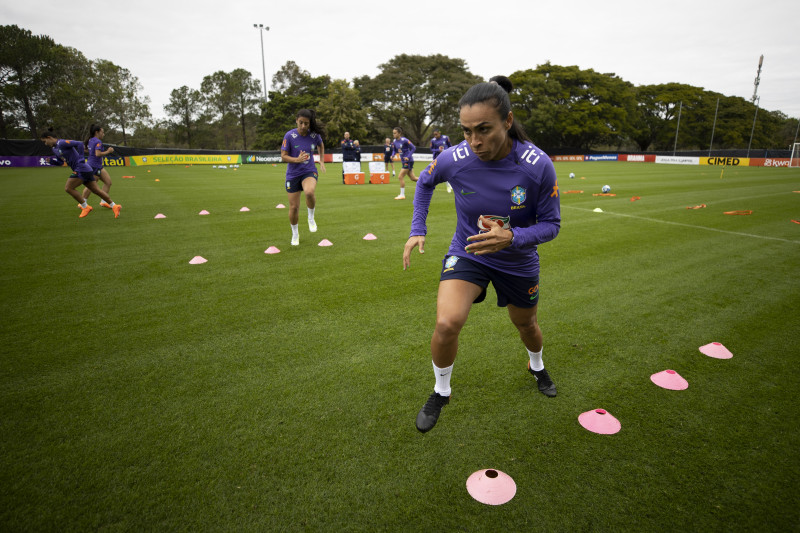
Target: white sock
(536, 360)
(402, 191)
(84, 204)
(295, 230)
(311, 213)
(442, 387)
(112, 204)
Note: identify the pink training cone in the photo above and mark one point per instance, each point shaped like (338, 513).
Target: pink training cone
(244, 209)
(280, 206)
(669, 379)
(203, 212)
(369, 237)
(198, 260)
(272, 250)
(491, 487)
(325, 242)
(716, 350)
(160, 215)
(599, 421)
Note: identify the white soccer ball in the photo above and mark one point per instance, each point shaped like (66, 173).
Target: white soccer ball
(606, 188)
(571, 175)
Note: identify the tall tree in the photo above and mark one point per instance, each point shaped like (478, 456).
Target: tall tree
(246, 93)
(24, 60)
(278, 117)
(126, 107)
(289, 75)
(569, 107)
(341, 111)
(416, 92)
(184, 105)
(655, 122)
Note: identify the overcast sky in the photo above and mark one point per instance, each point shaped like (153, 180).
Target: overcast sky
(166, 44)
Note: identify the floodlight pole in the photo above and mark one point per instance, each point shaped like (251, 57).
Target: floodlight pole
(713, 128)
(677, 128)
(753, 129)
(261, 29)
(758, 79)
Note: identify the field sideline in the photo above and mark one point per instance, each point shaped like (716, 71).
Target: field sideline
(264, 392)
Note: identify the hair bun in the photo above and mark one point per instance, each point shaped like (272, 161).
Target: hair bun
(503, 82)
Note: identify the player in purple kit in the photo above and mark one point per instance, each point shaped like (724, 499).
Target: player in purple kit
(72, 153)
(297, 149)
(406, 149)
(507, 202)
(388, 150)
(439, 143)
(96, 152)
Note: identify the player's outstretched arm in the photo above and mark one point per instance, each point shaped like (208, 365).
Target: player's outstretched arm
(413, 242)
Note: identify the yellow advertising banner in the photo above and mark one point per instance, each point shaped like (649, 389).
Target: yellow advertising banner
(726, 161)
(185, 159)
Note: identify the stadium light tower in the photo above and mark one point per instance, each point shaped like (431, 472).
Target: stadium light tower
(261, 29)
(756, 99)
(758, 79)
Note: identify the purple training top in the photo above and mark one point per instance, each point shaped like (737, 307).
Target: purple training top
(95, 162)
(72, 153)
(520, 190)
(439, 145)
(293, 144)
(404, 147)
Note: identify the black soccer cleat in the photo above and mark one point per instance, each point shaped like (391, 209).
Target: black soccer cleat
(543, 381)
(429, 414)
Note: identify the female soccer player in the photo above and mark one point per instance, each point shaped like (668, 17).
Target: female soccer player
(297, 150)
(95, 160)
(388, 150)
(406, 149)
(506, 203)
(439, 143)
(72, 153)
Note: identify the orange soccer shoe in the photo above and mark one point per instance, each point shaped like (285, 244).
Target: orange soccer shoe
(105, 204)
(85, 211)
(116, 210)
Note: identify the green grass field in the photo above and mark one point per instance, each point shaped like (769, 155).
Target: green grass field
(278, 392)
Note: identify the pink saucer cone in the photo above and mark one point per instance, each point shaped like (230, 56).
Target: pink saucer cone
(491, 487)
(716, 350)
(369, 237)
(160, 215)
(325, 242)
(599, 421)
(272, 250)
(198, 260)
(244, 209)
(203, 212)
(669, 379)
(280, 206)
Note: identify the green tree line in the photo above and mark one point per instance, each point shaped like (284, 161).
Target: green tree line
(44, 84)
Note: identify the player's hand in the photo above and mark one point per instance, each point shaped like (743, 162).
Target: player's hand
(302, 157)
(491, 241)
(411, 243)
(110, 149)
(322, 167)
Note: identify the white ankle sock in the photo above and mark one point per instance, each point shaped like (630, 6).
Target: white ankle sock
(295, 230)
(442, 386)
(536, 360)
(311, 213)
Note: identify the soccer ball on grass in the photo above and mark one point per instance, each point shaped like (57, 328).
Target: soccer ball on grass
(606, 188)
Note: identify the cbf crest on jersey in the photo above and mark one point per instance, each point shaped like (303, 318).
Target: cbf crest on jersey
(518, 195)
